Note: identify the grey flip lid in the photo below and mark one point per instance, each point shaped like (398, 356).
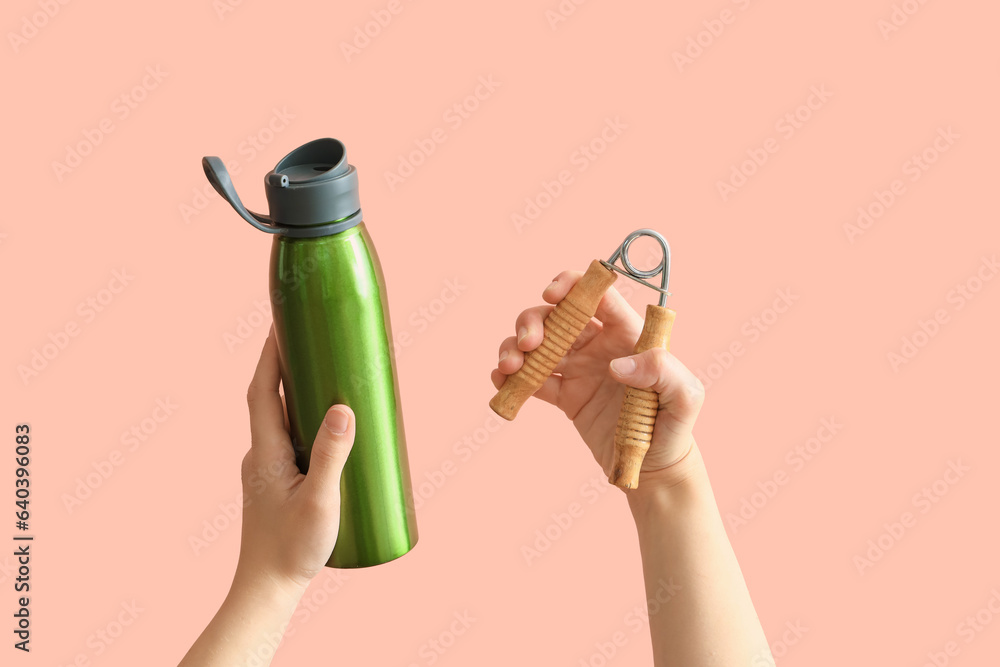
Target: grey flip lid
(311, 192)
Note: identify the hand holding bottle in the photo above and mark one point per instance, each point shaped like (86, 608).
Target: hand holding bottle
(290, 523)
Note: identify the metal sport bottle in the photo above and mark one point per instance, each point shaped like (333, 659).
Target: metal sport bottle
(331, 321)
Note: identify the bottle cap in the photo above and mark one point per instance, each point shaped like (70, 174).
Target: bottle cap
(311, 192)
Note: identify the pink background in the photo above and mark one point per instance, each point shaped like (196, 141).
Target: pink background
(195, 275)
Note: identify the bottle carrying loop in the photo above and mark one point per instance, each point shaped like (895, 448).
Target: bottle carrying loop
(219, 177)
(312, 192)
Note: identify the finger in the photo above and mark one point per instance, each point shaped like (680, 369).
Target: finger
(560, 286)
(530, 327)
(589, 332)
(497, 378)
(267, 412)
(613, 310)
(330, 450)
(681, 392)
(510, 358)
(548, 392)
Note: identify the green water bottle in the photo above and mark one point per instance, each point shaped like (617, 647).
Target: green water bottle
(331, 321)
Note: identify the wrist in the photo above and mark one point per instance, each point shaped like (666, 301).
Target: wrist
(677, 483)
(263, 588)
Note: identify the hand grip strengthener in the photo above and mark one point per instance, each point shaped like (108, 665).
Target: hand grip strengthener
(563, 326)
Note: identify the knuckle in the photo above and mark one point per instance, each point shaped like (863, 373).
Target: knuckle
(246, 466)
(695, 391)
(253, 394)
(531, 317)
(324, 454)
(508, 345)
(612, 304)
(572, 275)
(695, 385)
(657, 359)
(689, 397)
(313, 504)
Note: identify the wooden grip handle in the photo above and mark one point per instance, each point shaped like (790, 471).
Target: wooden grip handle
(635, 420)
(562, 327)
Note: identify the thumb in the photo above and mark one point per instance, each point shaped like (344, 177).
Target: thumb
(331, 448)
(681, 393)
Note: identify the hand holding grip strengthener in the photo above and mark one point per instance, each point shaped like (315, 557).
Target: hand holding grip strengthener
(563, 326)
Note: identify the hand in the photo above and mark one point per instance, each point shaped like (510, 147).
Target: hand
(291, 520)
(589, 383)
(682, 540)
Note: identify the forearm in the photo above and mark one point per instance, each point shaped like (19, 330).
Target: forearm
(700, 609)
(248, 626)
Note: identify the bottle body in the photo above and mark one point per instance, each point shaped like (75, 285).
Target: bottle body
(331, 322)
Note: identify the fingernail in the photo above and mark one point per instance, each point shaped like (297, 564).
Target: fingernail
(503, 355)
(337, 420)
(551, 285)
(623, 366)
(521, 333)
